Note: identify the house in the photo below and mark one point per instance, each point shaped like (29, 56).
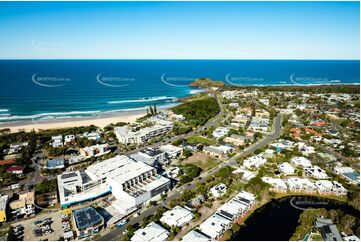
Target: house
(327, 229)
(246, 198)
(286, 168)
(315, 172)
(215, 226)
(171, 172)
(277, 184)
(217, 151)
(87, 222)
(57, 163)
(246, 174)
(301, 161)
(305, 149)
(218, 190)
(283, 144)
(220, 132)
(92, 135)
(16, 170)
(177, 217)
(16, 147)
(69, 139)
(152, 232)
(3, 204)
(233, 209)
(57, 141)
(238, 140)
(25, 205)
(195, 235)
(254, 161)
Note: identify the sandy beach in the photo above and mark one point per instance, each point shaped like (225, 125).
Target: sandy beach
(97, 121)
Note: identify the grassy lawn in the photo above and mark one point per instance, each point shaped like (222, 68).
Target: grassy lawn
(200, 139)
(202, 160)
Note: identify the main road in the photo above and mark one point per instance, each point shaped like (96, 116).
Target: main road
(275, 133)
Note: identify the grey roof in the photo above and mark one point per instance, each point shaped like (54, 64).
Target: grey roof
(328, 230)
(87, 217)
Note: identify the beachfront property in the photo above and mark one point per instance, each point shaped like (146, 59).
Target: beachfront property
(132, 183)
(218, 190)
(16, 147)
(301, 161)
(87, 222)
(3, 204)
(95, 150)
(92, 135)
(57, 141)
(315, 172)
(254, 161)
(296, 184)
(217, 151)
(277, 184)
(56, 163)
(69, 139)
(215, 226)
(286, 169)
(128, 136)
(220, 132)
(150, 156)
(195, 235)
(348, 173)
(177, 217)
(24, 205)
(151, 232)
(326, 187)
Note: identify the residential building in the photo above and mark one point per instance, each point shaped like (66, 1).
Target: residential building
(95, 150)
(87, 222)
(171, 151)
(152, 232)
(24, 205)
(217, 151)
(57, 141)
(348, 173)
(177, 217)
(218, 190)
(215, 226)
(220, 132)
(330, 187)
(150, 156)
(92, 135)
(296, 184)
(238, 140)
(277, 184)
(195, 235)
(315, 172)
(69, 139)
(286, 169)
(254, 161)
(3, 204)
(328, 229)
(16, 170)
(246, 174)
(301, 161)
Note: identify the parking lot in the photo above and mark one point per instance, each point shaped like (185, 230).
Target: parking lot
(43, 227)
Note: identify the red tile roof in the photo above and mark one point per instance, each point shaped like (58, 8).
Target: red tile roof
(7, 162)
(15, 168)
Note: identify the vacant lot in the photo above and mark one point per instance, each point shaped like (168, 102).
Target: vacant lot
(201, 160)
(202, 140)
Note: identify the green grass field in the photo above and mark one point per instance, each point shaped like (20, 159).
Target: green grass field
(202, 140)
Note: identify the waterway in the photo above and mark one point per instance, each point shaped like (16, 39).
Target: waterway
(278, 219)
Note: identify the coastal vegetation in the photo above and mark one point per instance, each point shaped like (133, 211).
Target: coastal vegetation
(198, 112)
(205, 83)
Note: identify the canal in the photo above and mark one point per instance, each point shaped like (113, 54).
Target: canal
(278, 219)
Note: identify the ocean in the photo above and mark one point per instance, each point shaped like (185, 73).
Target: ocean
(60, 89)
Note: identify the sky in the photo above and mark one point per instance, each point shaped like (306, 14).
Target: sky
(179, 30)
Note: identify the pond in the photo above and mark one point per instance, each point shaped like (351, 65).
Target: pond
(278, 219)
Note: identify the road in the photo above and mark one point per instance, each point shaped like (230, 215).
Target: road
(275, 133)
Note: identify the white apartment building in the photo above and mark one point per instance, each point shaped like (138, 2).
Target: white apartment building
(152, 232)
(194, 235)
(218, 190)
(57, 141)
(127, 136)
(172, 151)
(296, 184)
(177, 217)
(95, 150)
(150, 156)
(220, 132)
(277, 183)
(220, 150)
(330, 187)
(131, 183)
(215, 226)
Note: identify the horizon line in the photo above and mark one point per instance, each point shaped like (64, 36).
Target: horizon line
(165, 59)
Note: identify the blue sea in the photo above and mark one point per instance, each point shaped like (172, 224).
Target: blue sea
(60, 89)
